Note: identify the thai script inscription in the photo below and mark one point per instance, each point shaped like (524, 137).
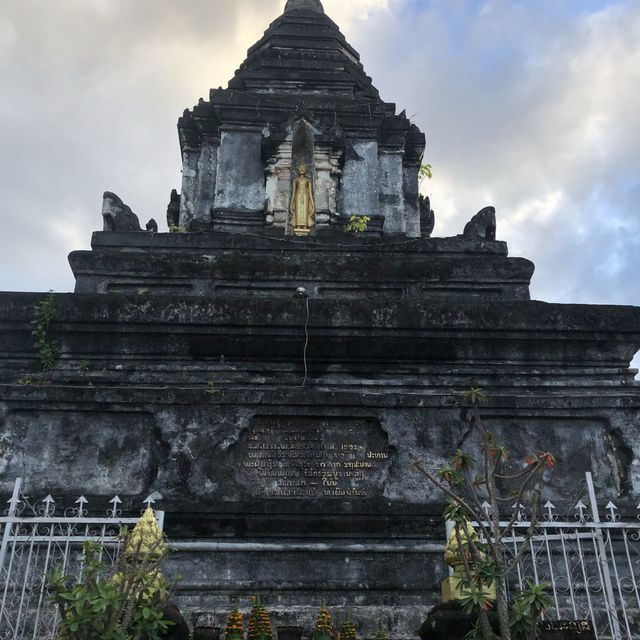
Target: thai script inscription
(314, 458)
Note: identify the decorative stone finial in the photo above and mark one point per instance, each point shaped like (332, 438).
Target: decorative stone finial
(305, 5)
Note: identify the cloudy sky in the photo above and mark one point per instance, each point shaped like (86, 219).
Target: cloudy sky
(532, 106)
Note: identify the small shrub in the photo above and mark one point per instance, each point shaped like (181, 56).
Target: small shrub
(425, 171)
(357, 224)
(123, 603)
(211, 389)
(48, 350)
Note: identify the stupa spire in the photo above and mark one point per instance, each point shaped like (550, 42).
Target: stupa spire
(304, 5)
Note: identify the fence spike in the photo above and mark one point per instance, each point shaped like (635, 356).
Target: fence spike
(152, 498)
(613, 516)
(49, 505)
(550, 507)
(115, 501)
(581, 508)
(81, 501)
(520, 509)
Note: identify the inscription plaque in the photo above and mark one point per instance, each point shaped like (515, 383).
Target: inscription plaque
(296, 457)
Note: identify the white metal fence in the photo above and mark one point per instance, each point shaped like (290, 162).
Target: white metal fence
(37, 537)
(590, 560)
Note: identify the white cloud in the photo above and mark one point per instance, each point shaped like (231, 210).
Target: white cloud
(345, 13)
(535, 115)
(8, 35)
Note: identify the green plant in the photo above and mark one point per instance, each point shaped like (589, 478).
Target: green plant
(24, 380)
(177, 228)
(83, 366)
(526, 610)
(48, 350)
(124, 603)
(211, 389)
(425, 171)
(357, 224)
(495, 479)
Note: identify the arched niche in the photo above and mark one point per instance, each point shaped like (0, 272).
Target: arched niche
(323, 166)
(303, 149)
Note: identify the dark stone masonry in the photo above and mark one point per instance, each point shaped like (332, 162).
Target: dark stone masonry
(274, 388)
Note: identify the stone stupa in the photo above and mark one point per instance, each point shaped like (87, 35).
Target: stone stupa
(273, 380)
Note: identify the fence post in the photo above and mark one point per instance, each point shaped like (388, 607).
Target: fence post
(13, 508)
(608, 585)
(6, 536)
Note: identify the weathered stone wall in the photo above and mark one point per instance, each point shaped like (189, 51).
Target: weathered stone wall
(189, 191)
(391, 192)
(207, 174)
(332, 264)
(359, 186)
(381, 552)
(198, 397)
(240, 182)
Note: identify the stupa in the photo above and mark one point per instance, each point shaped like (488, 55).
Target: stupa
(272, 365)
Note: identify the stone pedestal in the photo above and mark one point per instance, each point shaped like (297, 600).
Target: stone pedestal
(290, 633)
(208, 633)
(448, 621)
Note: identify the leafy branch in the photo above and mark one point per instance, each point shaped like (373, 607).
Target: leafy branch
(48, 350)
(425, 171)
(481, 556)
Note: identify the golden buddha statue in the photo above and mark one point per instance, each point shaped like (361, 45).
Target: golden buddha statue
(303, 206)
